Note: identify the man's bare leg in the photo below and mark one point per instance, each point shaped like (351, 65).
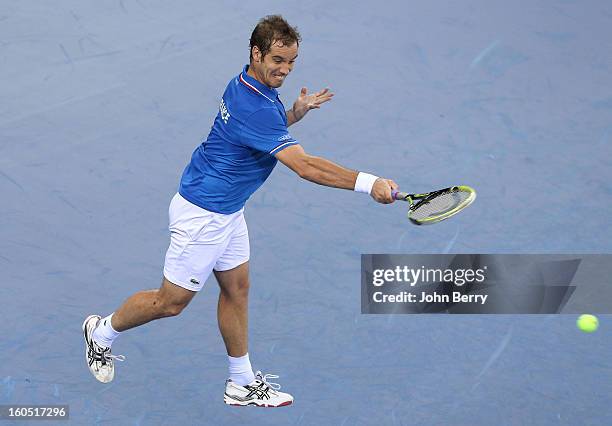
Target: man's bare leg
(243, 388)
(232, 310)
(145, 306)
(142, 307)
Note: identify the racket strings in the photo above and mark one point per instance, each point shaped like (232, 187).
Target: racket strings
(439, 205)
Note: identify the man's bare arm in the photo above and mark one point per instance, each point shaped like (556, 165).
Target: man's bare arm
(290, 117)
(324, 172)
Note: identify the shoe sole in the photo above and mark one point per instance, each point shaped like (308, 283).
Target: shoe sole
(234, 403)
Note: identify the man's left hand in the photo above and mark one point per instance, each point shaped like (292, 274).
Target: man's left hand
(305, 102)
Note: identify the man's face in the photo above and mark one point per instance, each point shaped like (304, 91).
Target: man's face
(273, 68)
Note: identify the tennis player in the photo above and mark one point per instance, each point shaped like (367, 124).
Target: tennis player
(208, 232)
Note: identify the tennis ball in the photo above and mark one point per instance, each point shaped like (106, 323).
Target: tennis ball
(587, 323)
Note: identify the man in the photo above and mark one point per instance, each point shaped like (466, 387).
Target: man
(208, 230)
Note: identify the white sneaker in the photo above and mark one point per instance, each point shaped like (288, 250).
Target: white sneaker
(259, 392)
(99, 358)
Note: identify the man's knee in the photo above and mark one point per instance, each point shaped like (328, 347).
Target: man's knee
(234, 283)
(172, 299)
(238, 289)
(168, 308)
(173, 309)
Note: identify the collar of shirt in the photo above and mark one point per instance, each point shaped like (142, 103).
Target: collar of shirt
(256, 86)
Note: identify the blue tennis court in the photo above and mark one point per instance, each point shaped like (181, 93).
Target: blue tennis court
(102, 104)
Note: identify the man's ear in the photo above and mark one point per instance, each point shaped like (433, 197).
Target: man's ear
(256, 54)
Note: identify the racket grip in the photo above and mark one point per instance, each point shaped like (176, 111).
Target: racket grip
(397, 195)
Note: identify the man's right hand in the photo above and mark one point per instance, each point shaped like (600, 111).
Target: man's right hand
(381, 191)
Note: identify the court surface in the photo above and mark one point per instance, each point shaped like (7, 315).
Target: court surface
(101, 105)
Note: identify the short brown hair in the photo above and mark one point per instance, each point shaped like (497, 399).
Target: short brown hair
(270, 29)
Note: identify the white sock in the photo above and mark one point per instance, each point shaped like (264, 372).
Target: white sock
(240, 370)
(105, 334)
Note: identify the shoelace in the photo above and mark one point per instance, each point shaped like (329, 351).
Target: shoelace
(264, 378)
(99, 353)
(109, 356)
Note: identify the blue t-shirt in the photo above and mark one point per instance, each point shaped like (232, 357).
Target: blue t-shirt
(238, 155)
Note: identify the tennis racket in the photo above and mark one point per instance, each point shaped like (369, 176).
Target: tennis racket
(432, 207)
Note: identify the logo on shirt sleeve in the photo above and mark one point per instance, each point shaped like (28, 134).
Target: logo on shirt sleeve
(285, 137)
(225, 115)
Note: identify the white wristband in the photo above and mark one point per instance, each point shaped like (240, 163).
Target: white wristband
(365, 182)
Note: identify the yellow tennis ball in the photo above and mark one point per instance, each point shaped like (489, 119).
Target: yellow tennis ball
(587, 323)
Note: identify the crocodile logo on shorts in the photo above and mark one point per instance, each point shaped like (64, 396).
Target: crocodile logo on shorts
(194, 281)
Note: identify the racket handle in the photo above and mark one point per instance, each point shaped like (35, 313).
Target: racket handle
(397, 195)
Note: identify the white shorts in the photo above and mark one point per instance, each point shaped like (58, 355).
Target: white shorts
(201, 241)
